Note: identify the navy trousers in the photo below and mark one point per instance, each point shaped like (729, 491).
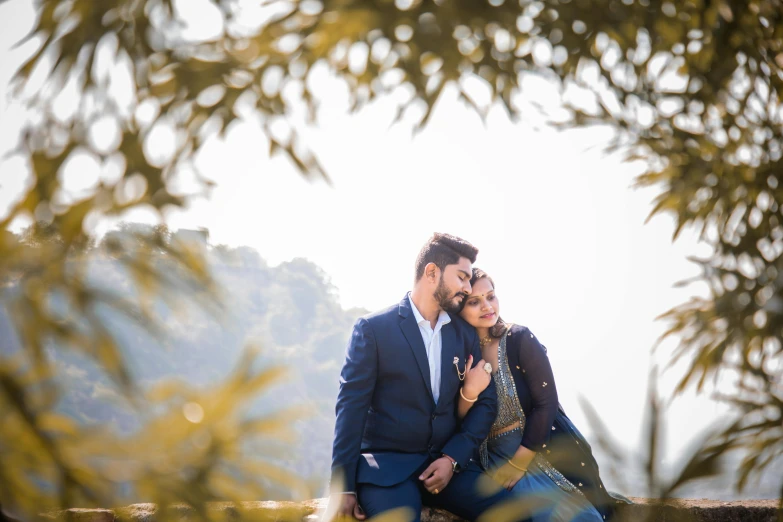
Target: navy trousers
(465, 495)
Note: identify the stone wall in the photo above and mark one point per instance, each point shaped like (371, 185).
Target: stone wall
(700, 510)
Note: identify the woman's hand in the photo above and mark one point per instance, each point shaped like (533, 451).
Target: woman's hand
(476, 379)
(508, 476)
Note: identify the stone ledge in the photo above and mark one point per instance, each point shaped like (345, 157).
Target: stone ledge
(697, 510)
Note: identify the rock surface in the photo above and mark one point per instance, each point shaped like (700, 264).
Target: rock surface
(696, 510)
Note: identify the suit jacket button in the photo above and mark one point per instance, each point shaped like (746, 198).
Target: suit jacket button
(434, 415)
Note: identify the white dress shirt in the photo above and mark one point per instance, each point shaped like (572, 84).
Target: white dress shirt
(433, 342)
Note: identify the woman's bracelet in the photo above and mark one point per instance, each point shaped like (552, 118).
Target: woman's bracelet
(524, 470)
(463, 396)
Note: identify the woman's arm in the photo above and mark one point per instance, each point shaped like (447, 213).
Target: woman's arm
(537, 374)
(476, 381)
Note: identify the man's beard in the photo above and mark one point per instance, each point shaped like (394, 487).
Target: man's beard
(445, 300)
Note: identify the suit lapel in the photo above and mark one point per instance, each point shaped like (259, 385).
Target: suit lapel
(411, 332)
(447, 353)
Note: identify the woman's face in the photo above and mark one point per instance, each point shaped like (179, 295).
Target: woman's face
(482, 307)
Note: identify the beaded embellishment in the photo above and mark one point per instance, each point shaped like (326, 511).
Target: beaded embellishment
(510, 412)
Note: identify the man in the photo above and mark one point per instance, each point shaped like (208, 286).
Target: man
(398, 442)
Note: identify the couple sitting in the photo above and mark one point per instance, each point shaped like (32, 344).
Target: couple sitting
(437, 394)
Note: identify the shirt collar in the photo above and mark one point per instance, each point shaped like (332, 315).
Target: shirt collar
(443, 318)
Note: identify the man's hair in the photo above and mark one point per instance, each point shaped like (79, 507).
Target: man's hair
(443, 250)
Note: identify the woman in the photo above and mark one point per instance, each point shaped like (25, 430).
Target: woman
(533, 449)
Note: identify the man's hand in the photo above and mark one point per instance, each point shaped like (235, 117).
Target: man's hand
(348, 507)
(437, 475)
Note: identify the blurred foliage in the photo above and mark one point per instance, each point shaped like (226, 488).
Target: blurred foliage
(691, 87)
(696, 464)
(190, 443)
(290, 309)
(711, 455)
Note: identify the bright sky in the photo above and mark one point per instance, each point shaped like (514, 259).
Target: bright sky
(557, 224)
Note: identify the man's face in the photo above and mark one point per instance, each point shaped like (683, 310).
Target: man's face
(454, 285)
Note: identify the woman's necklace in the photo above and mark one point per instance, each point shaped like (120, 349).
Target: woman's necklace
(484, 341)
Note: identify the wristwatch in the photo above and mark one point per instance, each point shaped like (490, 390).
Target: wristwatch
(454, 464)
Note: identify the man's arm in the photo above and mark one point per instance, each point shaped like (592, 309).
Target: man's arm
(357, 383)
(478, 421)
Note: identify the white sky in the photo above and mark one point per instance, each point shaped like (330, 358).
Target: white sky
(554, 218)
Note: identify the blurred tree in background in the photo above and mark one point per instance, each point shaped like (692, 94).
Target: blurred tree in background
(692, 87)
(68, 325)
(291, 309)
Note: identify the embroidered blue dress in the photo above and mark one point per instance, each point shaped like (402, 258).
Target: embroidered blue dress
(549, 495)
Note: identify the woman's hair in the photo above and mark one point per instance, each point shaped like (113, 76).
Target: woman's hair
(500, 327)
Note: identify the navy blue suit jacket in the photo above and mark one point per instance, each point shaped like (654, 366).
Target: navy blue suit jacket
(388, 424)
